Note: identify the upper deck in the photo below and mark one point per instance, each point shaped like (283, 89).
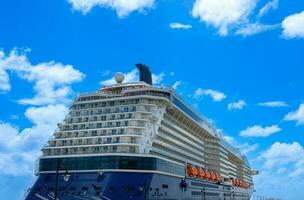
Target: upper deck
(130, 89)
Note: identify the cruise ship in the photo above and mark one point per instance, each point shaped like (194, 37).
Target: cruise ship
(136, 141)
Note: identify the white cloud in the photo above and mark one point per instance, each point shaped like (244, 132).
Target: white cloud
(133, 76)
(223, 15)
(8, 135)
(215, 95)
(43, 118)
(19, 150)
(293, 26)
(273, 104)
(279, 186)
(18, 164)
(158, 78)
(198, 93)
(52, 83)
(259, 131)
(51, 80)
(106, 73)
(268, 6)
(281, 170)
(177, 25)
(122, 7)
(297, 115)
(177, 84)
(284, 154)
(246, 148)
(46, 115)
(4, 81)
(228, 139)
(4, 78)
(239, 105)
(254, 28)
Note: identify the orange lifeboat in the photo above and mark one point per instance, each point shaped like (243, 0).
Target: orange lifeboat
(208, 175)
(205, 173)
(195, 171)
(213, 177)
(190, 170)
(233, 180)
(201, 173)
(238, 183)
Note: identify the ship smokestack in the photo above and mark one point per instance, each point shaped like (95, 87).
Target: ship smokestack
(145, 74)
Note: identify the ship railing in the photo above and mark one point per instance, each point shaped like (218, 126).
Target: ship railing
(127, 134)
(232, 149)
(93, 128)
(80, 94)
(232, 194)
(95, 142)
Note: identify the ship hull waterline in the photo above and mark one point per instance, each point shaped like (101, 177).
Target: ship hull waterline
(131, 186)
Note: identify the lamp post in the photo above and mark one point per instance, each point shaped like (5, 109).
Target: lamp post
(66, 177)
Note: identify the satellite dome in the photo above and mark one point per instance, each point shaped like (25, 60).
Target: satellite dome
(119, 77)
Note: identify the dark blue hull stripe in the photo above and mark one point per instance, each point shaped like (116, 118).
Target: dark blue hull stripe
(130, 186)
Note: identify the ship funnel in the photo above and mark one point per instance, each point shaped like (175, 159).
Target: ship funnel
(145, 74)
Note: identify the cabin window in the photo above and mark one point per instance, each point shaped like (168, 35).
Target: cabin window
(112, 162)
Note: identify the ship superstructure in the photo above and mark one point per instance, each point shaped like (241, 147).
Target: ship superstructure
(137, 141)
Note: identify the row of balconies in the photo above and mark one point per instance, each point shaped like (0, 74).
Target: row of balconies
(101, 118)
(94, 133)
(182, 134)
(100, 125)
(103, 123)
(98, 112)
(95, 117)
(107, 110)
(114, 109)
(94, 141)
(91, 150)
(82, 126)
(212, 151)
(184, 128)
(106, 103)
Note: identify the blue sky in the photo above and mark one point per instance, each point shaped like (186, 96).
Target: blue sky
(238, 62)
